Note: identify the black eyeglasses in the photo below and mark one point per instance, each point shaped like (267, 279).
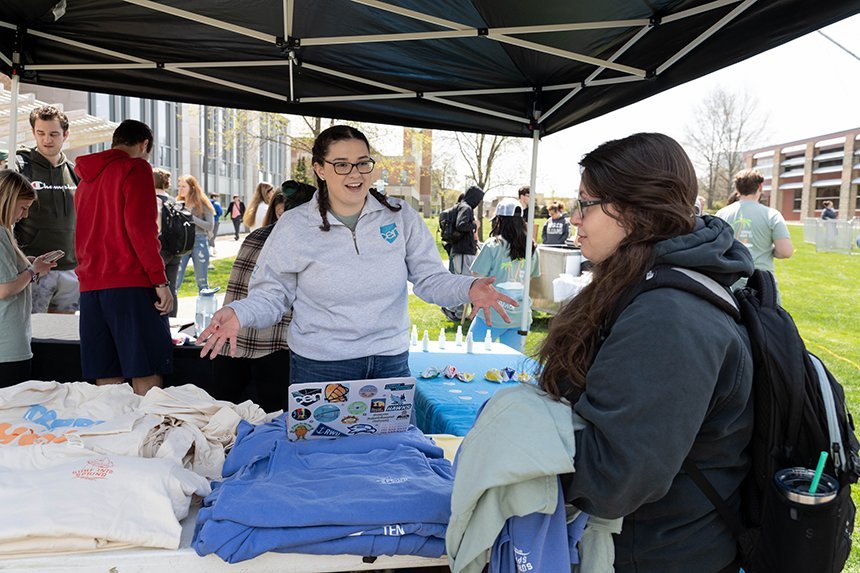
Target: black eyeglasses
(583, 204)
(345, 167)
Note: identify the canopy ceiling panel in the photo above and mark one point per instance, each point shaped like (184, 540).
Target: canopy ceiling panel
(494, 66)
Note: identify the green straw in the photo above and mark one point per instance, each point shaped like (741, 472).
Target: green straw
(818, 471)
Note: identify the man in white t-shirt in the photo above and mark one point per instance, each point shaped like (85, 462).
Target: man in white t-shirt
(757, 226)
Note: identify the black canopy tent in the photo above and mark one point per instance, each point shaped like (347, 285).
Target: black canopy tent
(494, 66)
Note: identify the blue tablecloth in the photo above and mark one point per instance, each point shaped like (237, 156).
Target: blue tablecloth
(448, 406)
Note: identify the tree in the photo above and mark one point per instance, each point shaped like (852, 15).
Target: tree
(725, 125)
(300, 172)
(481, 153)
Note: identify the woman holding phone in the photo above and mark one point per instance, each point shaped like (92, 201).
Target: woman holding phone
(17, 273)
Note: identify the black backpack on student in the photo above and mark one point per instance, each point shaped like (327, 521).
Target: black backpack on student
(799, 411)
(448, 226)
(177, 229)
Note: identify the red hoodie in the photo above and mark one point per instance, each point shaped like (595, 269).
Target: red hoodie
(116, 237)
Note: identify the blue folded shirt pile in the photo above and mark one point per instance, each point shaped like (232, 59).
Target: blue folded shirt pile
(363, 495)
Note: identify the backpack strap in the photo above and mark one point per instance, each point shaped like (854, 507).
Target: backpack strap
(730, 517)
(665, 276)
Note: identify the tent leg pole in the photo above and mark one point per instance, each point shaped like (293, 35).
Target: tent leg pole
(527, 311)
(13, 120)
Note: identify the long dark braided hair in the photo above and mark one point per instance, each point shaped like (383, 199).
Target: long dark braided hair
(319, 151)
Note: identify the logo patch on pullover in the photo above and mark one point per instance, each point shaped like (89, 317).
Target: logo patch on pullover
(389, 232)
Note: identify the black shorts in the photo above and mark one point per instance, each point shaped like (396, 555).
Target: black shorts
(122, 334)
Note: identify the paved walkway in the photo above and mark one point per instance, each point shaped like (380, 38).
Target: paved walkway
(225, 247)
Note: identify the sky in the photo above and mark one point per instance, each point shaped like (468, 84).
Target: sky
(807, 87)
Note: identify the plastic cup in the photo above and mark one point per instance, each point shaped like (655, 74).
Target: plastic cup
(511, 289)
(794, 484)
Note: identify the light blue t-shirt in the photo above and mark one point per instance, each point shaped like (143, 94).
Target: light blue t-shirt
(757, 227)
(494, 260)
(15, 310)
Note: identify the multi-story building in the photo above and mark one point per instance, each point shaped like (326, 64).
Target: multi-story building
(228, 151)
(801, 175)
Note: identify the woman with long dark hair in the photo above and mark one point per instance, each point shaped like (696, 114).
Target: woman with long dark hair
(503, 256)
(342, 262)
(671, 379)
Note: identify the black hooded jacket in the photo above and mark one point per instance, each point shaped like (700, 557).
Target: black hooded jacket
(467, 245)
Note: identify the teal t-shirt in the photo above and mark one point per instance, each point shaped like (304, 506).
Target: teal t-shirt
(756, 226)
(15, 310)
(494, 260)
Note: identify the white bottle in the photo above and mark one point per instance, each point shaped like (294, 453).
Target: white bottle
(488, 341)
(425, 342)
(413, 339)
(458, 341)
(207, 304)
(442, 339)
(470, 344)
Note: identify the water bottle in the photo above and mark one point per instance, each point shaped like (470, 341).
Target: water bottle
(207, 304)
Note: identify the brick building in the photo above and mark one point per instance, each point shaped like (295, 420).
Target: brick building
(801, 175)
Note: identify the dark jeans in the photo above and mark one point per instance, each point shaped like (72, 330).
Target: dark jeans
(236, 224)
(12, 373)
(369, 367)
(263, 380)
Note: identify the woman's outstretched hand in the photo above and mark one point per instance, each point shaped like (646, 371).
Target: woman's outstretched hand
(224, 327)
(483, 295)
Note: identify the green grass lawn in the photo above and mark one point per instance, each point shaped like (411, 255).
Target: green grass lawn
(820, 290)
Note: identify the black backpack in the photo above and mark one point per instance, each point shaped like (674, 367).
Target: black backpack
(448, 225)
(799, 411)
(177, 229)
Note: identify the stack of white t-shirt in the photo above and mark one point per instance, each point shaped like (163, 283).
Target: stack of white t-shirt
(182, 423)
(64, 498)
(86, 467)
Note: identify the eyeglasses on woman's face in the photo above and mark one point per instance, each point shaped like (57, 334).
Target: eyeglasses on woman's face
(364, 166)
(583, 204)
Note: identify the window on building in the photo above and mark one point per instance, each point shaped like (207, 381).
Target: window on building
(798, 198)
(823, 194)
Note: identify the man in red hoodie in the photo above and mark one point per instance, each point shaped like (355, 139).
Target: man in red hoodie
(125, 296)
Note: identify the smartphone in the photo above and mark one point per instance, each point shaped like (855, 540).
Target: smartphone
(53, 256)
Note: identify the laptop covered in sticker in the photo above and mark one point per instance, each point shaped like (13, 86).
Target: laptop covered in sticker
(349, 408)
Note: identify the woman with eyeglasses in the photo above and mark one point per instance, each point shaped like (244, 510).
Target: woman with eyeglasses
(342, 262)
(671, 379)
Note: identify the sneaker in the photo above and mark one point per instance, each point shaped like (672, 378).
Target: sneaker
(211, 267)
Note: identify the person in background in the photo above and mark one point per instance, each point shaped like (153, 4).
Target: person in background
(660, 386)
(829, 212)
(259, 204)
(503, 257)
(237, 211)
(523, 195)
(17, 273)
(462, 252)
(161, 178)
(700, 206)
(4, 159)
(260, 369)
(125, 296)
(219, 212)
(342, 262)
(201, 208)
(556, 230)
(758, 227)
(51, 224)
